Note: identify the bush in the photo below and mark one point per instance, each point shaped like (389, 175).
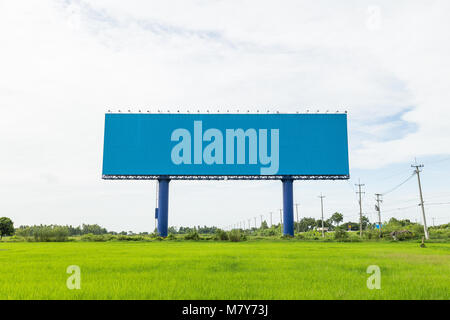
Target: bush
(340, 234)
(300, 236)
(439, 234)
(122, 237)
(353, 236)
(312, 235)
(371, 234)
(403, 235)
(97, 237)
(44, 233)
(13, 238)
(236, 236)
(269, 232)
(171, 236)
(221, 235)
(193, 235)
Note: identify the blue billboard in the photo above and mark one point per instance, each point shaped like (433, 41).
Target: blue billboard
(234, 145)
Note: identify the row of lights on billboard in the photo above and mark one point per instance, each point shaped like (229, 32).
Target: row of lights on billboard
(218, 111)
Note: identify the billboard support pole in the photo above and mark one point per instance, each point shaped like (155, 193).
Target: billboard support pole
(288, 207)
(163, 206)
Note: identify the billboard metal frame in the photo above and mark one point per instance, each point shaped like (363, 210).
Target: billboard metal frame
(227, 177)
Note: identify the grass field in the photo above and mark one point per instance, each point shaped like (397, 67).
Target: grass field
(224, 270)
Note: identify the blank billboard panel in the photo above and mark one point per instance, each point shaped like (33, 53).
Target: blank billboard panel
(239, 145)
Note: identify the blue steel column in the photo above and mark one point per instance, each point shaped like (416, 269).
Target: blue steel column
(163, 206)
(288, 207)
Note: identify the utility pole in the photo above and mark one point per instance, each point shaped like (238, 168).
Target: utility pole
(378, 208)
(321, 205)
(249, 226)
(262, 216)
(425, 228)
(296, 211)
(281, 221)
(271, 219)
(359, 185)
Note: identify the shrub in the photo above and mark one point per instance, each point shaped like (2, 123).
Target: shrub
(269, 232)
(371, 234)
(353, 237)
(236, 236)
(97, 237)
(439, 234)
(340, 234)
(44, 233)
(300, 236)
(402, 235)
(14, 238)
(122, 237)
(312, 235)
(193, 235)
(221, 235)
(171, 236)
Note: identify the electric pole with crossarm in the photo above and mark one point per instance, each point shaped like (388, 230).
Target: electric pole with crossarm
(378, 208)
(321, 205)
(359, 185)
(417, 171)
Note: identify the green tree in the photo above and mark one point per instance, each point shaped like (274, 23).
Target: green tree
(306, 224)
(6, 227)
(264, 225)
(365, 222)
(337, 218)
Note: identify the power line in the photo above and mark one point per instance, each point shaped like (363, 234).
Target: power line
(403, 208)
(398, 186)
(440, 160)
(437, 203)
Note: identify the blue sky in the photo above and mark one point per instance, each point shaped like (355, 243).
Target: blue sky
(65, 63)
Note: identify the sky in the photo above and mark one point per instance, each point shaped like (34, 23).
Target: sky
(63, 64)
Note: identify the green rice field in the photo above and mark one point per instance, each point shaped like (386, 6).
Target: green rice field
(224, 270)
